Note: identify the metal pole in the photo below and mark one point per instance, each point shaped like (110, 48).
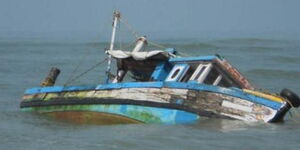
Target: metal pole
(115, 23)
(117, 16)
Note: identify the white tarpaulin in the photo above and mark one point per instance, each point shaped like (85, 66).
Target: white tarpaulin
(157, 54)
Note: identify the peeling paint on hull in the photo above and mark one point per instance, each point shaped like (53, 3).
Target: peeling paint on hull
(161, 97)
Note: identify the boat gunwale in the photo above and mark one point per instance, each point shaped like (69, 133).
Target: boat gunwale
(235, 92)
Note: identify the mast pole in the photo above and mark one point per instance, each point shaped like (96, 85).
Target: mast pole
(117, 16)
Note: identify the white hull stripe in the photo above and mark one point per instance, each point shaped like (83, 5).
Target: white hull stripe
(229, 104)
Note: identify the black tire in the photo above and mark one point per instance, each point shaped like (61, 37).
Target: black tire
(291, 96)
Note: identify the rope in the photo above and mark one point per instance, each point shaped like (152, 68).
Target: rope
(88, 70)
(123, 20)
(130, 28)
(129, 45)
(183, 54)
(98, 38)
(76, 68)
(120, 33)
(157, 45)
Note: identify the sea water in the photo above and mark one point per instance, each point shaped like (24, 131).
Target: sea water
(271, 64)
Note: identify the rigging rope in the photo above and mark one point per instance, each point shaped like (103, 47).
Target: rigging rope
(88, 70)
(76, 68)
(134, 33)
(123, 20)
(157, 45)
(98, 38)
(129, 45)
(120, 37)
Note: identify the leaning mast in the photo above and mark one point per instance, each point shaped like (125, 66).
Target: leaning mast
(116, 18)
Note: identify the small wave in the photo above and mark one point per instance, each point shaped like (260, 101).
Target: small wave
(3, 86)
(253, 40)
(97, 44)
(275, 73)
(260, 49)
(37, 44)
(286, 59)
(194, 46)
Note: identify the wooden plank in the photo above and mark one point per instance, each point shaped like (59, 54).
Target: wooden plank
(215, 103)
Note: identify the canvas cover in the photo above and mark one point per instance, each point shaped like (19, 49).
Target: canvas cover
(144, 55)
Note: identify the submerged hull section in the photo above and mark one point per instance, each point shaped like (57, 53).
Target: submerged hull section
(154, 102)
(89, 117)
(115, 114)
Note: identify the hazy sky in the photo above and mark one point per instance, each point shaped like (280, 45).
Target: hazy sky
(165, 18)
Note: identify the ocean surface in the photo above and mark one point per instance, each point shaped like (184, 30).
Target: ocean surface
(271, 64)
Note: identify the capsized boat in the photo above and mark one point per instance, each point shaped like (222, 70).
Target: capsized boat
(165, 88)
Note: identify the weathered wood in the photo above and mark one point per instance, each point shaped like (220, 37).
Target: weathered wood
(234, 73)
(51, 77)
(202, 101)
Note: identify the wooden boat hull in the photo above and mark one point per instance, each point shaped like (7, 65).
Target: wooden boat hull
(156, 102)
